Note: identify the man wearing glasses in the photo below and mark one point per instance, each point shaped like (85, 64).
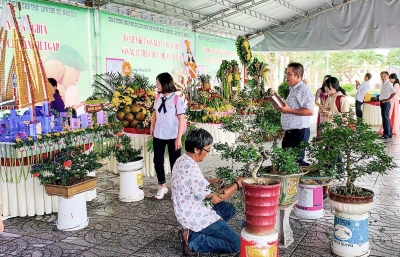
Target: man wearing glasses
(295, 118)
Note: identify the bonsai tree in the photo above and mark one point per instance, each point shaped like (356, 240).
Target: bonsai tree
(359, 147)
(251, 148)
(123, 150)
(66, 167)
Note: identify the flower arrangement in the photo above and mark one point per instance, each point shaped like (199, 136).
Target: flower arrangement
(209, 106)
(243, 50)
(229, 78)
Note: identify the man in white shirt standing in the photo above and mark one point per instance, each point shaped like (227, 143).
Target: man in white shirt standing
(386, 94)
(295, 118)
(362, 90)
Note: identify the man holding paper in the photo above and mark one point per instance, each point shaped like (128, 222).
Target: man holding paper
(295, 118)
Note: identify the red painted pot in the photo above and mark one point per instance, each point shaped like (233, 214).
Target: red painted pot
(261, 205)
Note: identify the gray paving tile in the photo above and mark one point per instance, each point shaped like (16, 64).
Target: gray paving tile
(149, 227)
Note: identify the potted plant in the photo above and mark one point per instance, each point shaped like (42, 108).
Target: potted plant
(130, 164)
(362, 153)
(63, 173)
(252, 150)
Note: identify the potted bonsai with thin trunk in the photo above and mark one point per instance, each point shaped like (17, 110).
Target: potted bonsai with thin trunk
(362, 153)
(130, 164)
(253, 149)
(64, 174)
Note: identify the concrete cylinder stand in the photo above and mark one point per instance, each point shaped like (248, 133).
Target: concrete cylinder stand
(129, 190)
(258, 245)
(72, 213)
(310, 202)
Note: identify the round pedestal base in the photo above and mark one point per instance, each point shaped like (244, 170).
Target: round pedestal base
(72, 213)
(128, 188)
(304, 214)
(255, 245)
(351, 237)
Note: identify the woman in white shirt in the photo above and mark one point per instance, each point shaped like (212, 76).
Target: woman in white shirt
(167, 127)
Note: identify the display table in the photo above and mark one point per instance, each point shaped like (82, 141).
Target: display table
(20, 193)
(28, 197)
(372, 113)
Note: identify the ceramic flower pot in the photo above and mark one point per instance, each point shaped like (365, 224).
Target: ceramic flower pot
(289, 187)
(260, 205)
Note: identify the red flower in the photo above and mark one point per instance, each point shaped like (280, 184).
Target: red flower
(67, 163)
(36, 175)
(119, 134)
(118, 146)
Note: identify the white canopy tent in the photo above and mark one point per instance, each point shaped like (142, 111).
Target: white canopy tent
(362, 24)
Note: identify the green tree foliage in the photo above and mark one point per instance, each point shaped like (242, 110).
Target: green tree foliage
(393, 57)
(346, 64)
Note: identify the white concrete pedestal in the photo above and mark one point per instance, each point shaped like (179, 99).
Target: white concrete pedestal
(282, 226)
(129, 191)
(72, 213)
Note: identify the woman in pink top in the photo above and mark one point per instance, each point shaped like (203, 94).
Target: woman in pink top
(394, 109)
(320, 97)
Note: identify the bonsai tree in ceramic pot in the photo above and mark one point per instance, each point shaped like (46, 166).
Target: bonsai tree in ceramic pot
(363, 154)
(64, 174)
(255, 145)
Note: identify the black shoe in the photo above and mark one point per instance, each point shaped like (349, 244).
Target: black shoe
(184, 235)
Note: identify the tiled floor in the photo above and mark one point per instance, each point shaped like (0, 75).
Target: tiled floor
(149, 227)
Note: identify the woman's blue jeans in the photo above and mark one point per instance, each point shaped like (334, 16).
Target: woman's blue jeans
(217, 237)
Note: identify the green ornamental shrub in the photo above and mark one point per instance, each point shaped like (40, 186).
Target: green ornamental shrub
(283, 90)
(359, 146)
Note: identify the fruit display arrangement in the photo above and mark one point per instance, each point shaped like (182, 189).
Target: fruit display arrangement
(130, 99)
(134, 106)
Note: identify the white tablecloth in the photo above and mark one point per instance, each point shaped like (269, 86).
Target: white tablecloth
(218, 134)
(28, 197)
(140, 140)
(372, 114)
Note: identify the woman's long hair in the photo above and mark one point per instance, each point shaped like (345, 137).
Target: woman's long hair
(323, 83)
(333, 82)
(394, 76)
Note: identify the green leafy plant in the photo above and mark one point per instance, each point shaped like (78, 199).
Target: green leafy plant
(283, 90)
(359, 146)
(66, 167)
(251, 149)
(123, 150)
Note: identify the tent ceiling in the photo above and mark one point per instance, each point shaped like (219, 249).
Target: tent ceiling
(229, 17)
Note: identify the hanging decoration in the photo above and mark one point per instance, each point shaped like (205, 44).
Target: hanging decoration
(243, 50)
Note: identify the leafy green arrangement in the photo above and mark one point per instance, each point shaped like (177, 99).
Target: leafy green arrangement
(66, 167)
(250, 148)
(283, 90)
(358, 145)
(243, 50)
(123, 150)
